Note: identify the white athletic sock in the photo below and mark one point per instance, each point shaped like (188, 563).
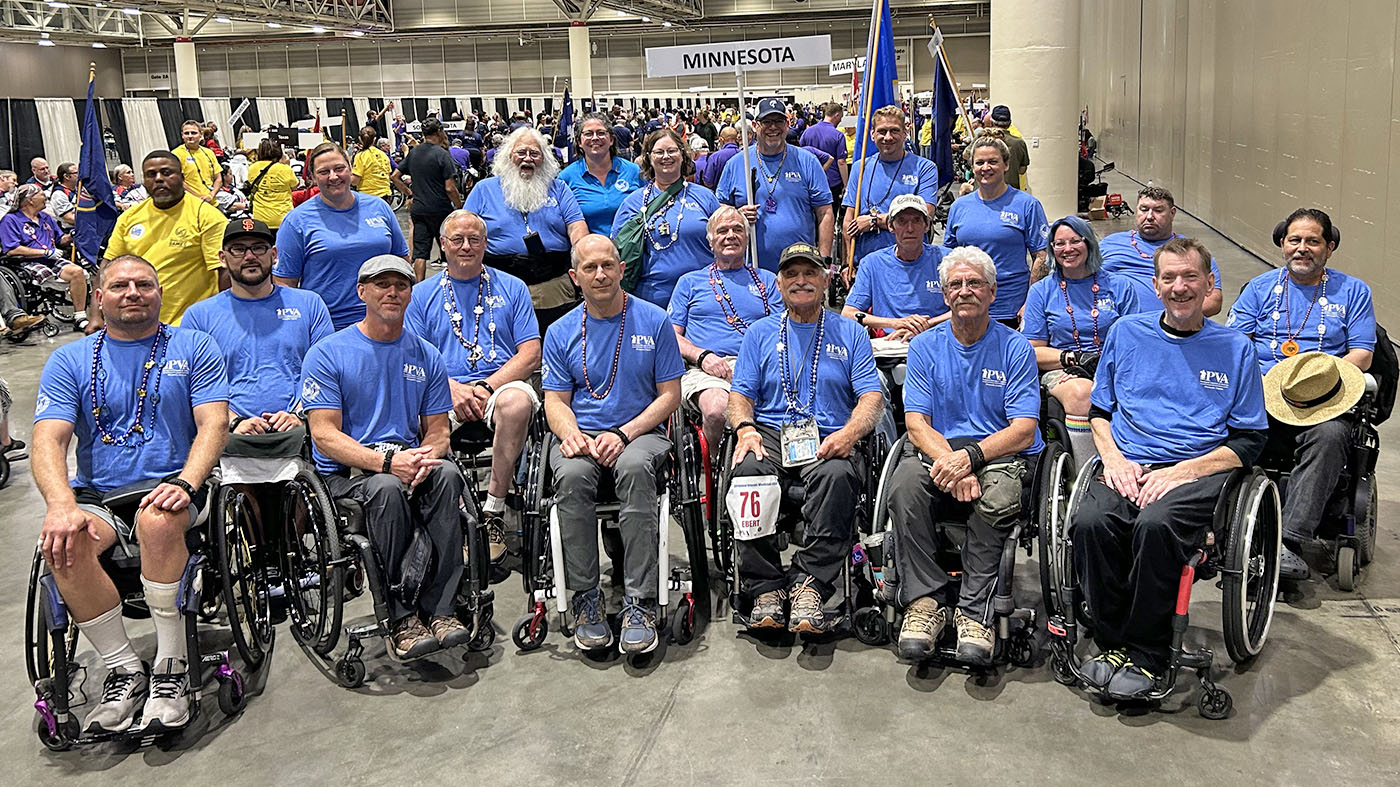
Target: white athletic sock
(1081, 439)
(494, 505)
(170, 626)
(107, 633)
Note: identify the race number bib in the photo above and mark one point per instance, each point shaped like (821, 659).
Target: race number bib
(799, 441)
(752, 503)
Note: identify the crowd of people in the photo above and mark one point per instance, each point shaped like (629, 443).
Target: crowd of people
(666, 268)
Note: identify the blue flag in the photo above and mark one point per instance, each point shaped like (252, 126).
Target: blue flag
(945, 113)
(879, 79)
(566, 127)
(97, 210)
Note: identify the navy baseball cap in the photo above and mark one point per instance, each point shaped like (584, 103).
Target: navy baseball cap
(770, 106)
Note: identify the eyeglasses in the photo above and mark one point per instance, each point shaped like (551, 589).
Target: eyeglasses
(596, 134)
(666, 153)
(458, 241)
(1065, 244)
(971, 284)
(258, 249)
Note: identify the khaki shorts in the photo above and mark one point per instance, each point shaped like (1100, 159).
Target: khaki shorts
(553, 293)
(1053, 378)
(695, 381)
(490, 415)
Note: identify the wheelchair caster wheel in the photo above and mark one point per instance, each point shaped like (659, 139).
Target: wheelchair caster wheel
(350, 671)
(232, 698)
(1346, 569)
(1215, 704)
(59, 737)
(683, 623)
(485, 637)
(870, 626)
(1021, 651)
(1060, 669)
(530, 631)
(50, 329)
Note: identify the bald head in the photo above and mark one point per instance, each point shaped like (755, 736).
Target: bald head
(593, 248)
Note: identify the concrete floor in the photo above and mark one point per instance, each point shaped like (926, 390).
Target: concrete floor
(1321, 705)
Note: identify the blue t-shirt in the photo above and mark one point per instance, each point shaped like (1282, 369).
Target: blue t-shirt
(880, 182)
(17, 229)
(505, 305)
(887, 286)
(1174, 397)
(1006, 228)
(600, 201)
(381, 389)
(1130, 255)
(705, 320)
(1345, 315)
(975, 391)
(1047, 320)
(798, 186)
(845, 371)
(506, 226)
(686, 216)
(324, 248)
(190, 373)
(649, 356)
(264, 342)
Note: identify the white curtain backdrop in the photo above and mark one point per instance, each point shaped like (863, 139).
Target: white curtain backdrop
(218, 110)
(143, 128)
(272, 111)
(361, 112)
(435, 105)
(59, 128)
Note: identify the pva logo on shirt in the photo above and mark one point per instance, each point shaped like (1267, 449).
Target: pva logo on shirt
(496, 301)
(414, 373)
(755, 291)
(41, 403)
(310, 390)
(1010, 217)
(289, 313)
(793, 177)
(1333, 309)
(551, 202)
(836, 352)
(996, 378)
(932, 285)
(1216, 381)
(643, 343)
(909, 179)
(1104, 302)
(376, 221)
(177, 367)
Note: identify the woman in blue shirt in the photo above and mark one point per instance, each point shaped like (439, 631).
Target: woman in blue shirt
(600, 180)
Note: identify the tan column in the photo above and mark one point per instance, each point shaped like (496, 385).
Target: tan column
(1035, 72)
(580, 65)
(186, 69)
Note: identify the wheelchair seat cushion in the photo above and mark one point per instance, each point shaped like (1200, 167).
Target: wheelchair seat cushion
(471, 438)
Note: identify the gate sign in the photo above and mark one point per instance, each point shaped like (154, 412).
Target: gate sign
(764, 55)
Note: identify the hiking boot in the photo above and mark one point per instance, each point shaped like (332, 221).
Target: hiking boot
(123, 694)
(923, 622)
(974, 640)
(1100, 669)
(769, 610)
(638, 626)
(591, 630)
(449, 631)
(495, 537)
(805, 613)
(412, 640)
(1291, 564)
(24, 322)
(168, 705)
(1131, 682)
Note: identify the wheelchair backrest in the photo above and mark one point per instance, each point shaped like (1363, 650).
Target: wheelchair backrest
(1385, 367)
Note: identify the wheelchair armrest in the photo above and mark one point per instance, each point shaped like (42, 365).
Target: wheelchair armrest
(1372, 385)
(130, 494)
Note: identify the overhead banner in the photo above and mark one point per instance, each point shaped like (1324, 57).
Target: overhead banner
(764, 55)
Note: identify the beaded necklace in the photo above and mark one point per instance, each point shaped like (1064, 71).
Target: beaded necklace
(473, 348)
(658, 222)
(772, 180)
(1093, 311)
(98, 390)
(1289, 345)
(726, 303)
(1132, 238)
(617, 351)
(784, 362)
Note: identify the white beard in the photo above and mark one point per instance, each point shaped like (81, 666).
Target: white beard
(524, 194)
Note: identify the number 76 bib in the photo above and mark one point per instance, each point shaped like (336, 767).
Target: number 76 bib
(752, 503)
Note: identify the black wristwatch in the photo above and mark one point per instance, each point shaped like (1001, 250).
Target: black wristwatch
(175, 480)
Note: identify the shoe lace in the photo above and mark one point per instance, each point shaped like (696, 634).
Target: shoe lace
(116, 685)
(495, 530)
(920, 615)
(589, 607)
(968, 628)
(1115, 658)
(635, 614)
(167, 685)
(807, 596)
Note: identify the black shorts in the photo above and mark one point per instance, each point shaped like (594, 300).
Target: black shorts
(425, 232)
(122, 518)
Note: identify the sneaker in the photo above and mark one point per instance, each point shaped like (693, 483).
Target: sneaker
(449, 631)
(974, 640)
(806, 614)
(412, 640)
(1099, 670)
(1131, 682)
(123, 693)
(591, 630)
(168, 705)
(495, 537)
(1291, 564)
(25, 322)
(769, 610)
(923, 622)
(638, 626)
(15, 446)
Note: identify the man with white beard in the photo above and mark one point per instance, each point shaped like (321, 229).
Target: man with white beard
(532, 221)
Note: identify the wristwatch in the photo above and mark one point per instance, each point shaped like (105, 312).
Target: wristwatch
(860, 317)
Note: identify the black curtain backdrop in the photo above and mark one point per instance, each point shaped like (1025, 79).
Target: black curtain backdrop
(380, 127)
(26, 139)
(7, 159)
(298, 109)
(420, 108)
(189, 107)
(548, 105)
(449, 108)
(502, 108)
(478, 106)
(80, 109)
(171, 116)
(250, 115)
(116, 121)
(409, 110)
(530, 105)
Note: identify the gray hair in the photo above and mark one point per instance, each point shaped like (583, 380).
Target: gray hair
(122, 169)
(967, 255)
(549, 166)
(724, 212)
(461, 214)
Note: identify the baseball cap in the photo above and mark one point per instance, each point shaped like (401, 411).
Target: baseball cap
(1001, 113)
(800, 252)
(385, 263)
(908, 202)
(241, 227)
(770, 106)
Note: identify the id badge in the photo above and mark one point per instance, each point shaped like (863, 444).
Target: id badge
(771, 205)
(533, 245)
(799, 441)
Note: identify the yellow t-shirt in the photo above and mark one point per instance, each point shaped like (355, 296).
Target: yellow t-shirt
(373, 168)
(182, 242)
(273, 199)
(199, 167)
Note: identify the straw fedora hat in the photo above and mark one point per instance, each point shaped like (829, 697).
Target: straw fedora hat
(1310, 388)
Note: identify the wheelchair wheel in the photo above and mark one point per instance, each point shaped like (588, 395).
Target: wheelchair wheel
(1250, 579)
(312, 573)
(535, 568)
(1052, 530)
(39, 642)
(4, 472)
(243, 576)
(530, 630)
(879, 521)
(1365, 521)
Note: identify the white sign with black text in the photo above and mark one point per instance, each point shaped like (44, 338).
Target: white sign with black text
(764, 55)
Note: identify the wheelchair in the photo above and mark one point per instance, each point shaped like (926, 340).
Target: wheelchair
(51, 635)
(1242, 548)
(681, 496)
(40, 291)
(4, 471)
(1045, 496)
(859, 613)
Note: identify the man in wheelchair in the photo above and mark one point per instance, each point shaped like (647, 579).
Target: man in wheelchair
(148, 404)
(971, 403)
(1177, 403)
(369, 392)
(1306, 306)
(897, 288)
(483, 322)
(608, 416)
(805, 390)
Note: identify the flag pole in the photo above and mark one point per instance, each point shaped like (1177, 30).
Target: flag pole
(870, 56)
(952, 81)
(748, 167)
(73, 244)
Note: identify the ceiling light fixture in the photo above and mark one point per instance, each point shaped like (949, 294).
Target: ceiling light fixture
(317, 29)
(223, 20)
(98, 45)
(45, 42)
(131, 11)
(274, 25)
